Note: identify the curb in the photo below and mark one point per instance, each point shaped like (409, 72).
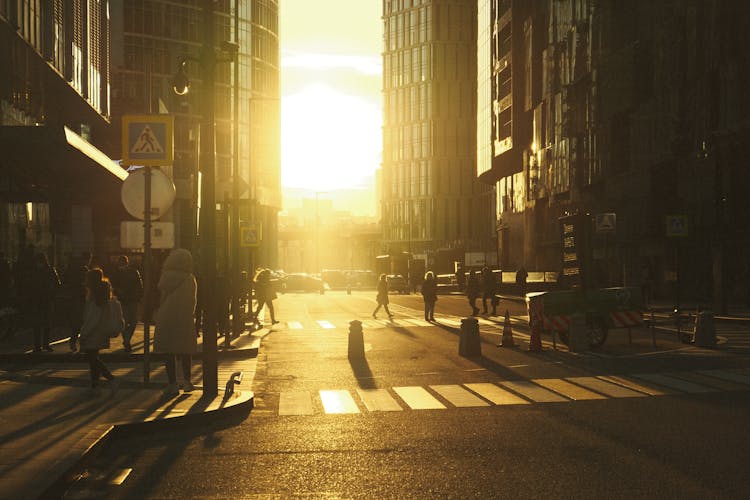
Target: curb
(116, 357)
(231, 414)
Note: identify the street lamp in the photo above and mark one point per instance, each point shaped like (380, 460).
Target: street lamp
(181, 85)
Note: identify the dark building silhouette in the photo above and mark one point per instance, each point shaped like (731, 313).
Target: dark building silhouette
(633, 115)
(56, 180)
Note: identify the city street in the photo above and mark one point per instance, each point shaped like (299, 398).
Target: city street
(414, 419)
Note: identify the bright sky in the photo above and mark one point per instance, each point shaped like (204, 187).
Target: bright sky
(331, 111)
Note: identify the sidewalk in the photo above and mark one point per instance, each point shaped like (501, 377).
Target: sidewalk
(50, 422)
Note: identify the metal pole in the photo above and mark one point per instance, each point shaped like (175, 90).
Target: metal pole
(147, 275)
(235, 217)
(208, 212)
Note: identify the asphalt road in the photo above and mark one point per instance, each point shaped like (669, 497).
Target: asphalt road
(300, 442)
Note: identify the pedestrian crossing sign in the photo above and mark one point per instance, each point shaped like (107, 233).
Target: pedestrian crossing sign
(249, 236)
(147, 140)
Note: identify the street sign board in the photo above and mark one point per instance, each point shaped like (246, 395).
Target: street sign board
(147, 140)
(606, 223)
(677, 225)
(250, 236)
(132, 234)
(133, 193)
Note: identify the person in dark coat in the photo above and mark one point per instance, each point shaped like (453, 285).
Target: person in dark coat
(43, 287)
(429, 294)
(264, 295)
(128, 288)
(174, 333)
(489, 289)
(473, 291)
(382, 297)
(94, 335)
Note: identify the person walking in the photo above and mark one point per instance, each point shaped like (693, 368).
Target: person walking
(100, 320)
(129, 291)
(521, 276)
(382, 297)
(429, 293)
(174, 334)
(489, 289)
(264, 295)
(44, 283)
(472, 291)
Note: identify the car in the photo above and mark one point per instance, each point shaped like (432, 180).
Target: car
(397, 283)
(301, 282)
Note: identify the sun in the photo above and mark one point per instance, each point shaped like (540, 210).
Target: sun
(329, 140)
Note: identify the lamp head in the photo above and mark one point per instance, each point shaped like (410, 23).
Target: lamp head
(181, 82)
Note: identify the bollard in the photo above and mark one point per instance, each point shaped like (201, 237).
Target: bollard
(468, 341)
(704, 332)
(535, 341)
(356, 340)
(578, 339)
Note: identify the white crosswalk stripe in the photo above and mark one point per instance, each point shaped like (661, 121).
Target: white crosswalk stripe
(511, 392)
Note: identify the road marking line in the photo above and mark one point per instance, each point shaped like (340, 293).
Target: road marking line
(295, 403)
(120, 477)
(338, 402)
(294, 325)
(727, 375)
(673, 383)
(326, 324)
(419, 322)
(458, 396)
(417, 398)
(532, 391)
(450, 322)
(606, 388)
(716, 383)
(378, 400)
(638, 385)
(567, 389)
(496, 395)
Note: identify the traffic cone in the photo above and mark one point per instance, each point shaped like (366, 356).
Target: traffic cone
(507, 332)
(535, 342)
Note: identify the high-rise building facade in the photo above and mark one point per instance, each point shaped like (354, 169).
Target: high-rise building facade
(632, 116)
(56, 180)
(150, 40)
(432, 204)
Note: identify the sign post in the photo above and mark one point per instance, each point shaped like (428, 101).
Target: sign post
(147, 140)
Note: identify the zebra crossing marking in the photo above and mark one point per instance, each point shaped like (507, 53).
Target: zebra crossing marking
(638, 385)
(458, 396)
(530, 390)
(727, 375)
(417, 398)
(326, 325)
(497, 395)
(606, 388)
(568, 389)
(515, 392)
(294, 325)
(295, 403)
(674, 383)
(378, 400)
(340, 401)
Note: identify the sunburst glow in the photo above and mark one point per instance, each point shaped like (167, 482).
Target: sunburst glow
(329, 140)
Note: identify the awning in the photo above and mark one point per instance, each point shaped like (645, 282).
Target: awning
(43, 161)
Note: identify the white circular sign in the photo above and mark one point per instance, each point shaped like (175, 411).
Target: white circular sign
(133, 193)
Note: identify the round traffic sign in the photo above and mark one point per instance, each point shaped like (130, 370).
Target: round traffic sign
(133, 193)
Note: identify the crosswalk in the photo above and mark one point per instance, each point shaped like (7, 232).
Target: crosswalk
(509, 392)
(374, 324)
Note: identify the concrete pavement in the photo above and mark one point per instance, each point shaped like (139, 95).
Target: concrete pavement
(50, 422)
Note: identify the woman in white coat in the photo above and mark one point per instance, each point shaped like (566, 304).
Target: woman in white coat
(175, 330)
